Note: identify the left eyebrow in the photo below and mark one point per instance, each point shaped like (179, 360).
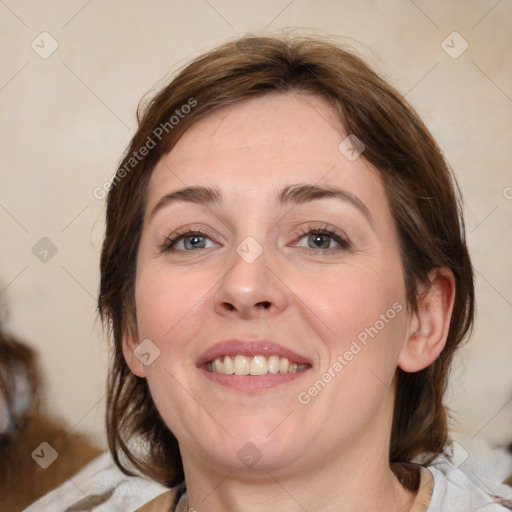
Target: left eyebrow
(299, 194)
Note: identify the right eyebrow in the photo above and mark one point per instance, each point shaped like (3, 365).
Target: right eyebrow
(198, 195)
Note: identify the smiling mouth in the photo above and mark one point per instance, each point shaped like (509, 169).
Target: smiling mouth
(256, 366)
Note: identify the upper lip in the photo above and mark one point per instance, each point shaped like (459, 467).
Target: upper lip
(249, 348)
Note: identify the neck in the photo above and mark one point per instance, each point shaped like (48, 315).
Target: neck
(367, 485)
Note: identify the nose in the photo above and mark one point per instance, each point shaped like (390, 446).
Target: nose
(251, 289)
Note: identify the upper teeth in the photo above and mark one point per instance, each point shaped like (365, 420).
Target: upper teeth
(257, 365)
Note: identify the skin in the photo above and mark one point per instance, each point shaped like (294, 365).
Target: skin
(331, 453)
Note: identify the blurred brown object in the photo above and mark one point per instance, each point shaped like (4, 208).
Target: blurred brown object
(24, 426)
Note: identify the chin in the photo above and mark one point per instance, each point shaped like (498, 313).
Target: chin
(254, 445)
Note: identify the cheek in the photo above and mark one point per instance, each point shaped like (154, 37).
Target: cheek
(359, 313)
(167, 300)
(362, 319)
(170, 312)
(352, 297)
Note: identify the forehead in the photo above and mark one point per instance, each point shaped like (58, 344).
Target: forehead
(287, 125)
(266, 143)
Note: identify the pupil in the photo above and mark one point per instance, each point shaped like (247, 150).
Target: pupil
(194, 241)
(319, 240)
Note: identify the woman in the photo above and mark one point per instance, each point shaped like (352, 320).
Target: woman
(286, 278)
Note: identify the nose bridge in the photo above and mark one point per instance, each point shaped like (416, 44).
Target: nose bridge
(250, 286)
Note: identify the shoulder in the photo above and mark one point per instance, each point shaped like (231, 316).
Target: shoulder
(100, 484)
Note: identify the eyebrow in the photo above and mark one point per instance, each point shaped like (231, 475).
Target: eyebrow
(295, 194)
(198, 195)
(299, 194)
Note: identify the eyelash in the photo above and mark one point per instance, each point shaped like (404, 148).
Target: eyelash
(340, 239)
(173, 239)
(332, 232)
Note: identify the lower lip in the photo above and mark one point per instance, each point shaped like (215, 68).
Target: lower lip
(250, 383)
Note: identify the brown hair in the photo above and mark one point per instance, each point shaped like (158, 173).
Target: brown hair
(421, 190)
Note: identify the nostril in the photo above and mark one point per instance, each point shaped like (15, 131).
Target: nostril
(264, 304)
(229, 306)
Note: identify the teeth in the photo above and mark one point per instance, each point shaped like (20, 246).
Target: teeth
(229, 366)
(273, 364)
(257, 365)
(217, 365)
(242, 365)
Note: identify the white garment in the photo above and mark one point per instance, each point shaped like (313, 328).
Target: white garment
(456, 489)
(102, 480)
(469, 480)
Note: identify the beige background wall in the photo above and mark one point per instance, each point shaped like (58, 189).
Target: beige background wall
(66, 118)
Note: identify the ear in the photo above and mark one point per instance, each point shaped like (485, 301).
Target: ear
(428, 328)
(129, 344)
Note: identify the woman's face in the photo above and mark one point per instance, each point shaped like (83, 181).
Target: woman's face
(288, 252)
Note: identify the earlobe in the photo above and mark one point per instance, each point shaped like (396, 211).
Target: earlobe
(428, 328)
(129, 344)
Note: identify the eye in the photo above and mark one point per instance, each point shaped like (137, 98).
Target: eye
(187, 241)
(322, 239)
(319, 241)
